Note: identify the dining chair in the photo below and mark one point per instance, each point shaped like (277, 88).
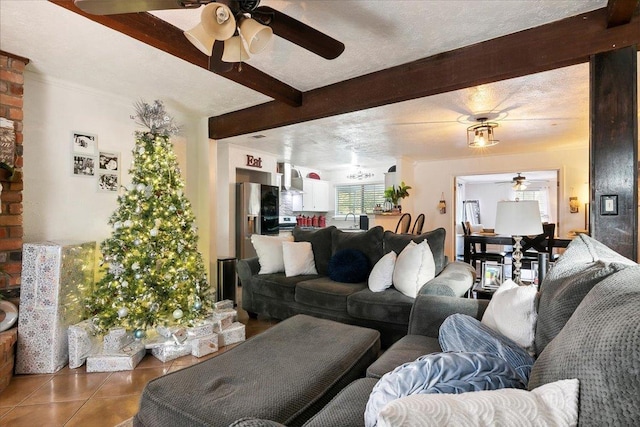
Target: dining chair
(417, 226)
(532, 245)
(481, 255)
(403, 224)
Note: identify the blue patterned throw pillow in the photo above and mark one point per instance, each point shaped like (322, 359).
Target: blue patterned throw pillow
(349, 266)
(441, 373)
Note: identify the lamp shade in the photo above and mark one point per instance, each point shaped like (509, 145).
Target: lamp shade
(234, 50)
(200, 39)
(217, 20)
(520, 218)
(256, 34)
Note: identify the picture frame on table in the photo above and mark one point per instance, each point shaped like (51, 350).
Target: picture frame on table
(492, 275)
(84, 143)
(83, 165)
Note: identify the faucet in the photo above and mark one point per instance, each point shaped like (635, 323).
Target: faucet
(354, 218)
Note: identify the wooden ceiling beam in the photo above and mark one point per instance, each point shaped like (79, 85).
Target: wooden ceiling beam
(620, 12)
(555, 45)
(155, 32)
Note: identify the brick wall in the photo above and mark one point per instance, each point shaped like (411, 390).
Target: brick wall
(11, 98)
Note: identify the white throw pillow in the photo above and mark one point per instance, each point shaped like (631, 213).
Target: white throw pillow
(298, 258)
(415, 266)
(381, 276)
(269, 250)
(512, 312)
(553, 404)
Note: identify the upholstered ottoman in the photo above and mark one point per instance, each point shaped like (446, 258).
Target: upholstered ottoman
(286, 374)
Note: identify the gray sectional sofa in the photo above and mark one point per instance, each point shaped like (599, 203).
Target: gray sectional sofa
(280, 297)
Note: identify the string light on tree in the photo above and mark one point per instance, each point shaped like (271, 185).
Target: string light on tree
(154, 274)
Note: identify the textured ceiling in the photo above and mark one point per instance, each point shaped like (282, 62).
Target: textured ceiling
(544, 111)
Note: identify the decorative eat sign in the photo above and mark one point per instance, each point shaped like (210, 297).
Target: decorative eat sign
(254, 162)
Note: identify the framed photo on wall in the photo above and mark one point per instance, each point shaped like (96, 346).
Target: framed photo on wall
(83, 165)
(84, 143)
(109, 162)
(108, 182)
(491, 275)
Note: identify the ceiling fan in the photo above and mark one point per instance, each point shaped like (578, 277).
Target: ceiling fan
(519, 182)
(229, 29)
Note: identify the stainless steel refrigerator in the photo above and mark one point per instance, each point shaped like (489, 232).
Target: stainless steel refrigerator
(257, 212)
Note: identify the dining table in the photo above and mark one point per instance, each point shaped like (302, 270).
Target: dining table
(485, 239)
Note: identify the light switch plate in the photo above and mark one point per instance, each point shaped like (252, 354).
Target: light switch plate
(609, 205)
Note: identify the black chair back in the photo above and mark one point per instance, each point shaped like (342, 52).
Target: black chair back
(403, 224)
(417, 226)
(542, 242)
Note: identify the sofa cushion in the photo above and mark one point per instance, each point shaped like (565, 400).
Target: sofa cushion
(320, 242)
(406, 349)
(277, 285)
(269, 251)
(369, 242)
(325, 293)
(298, 259)
(397, 242)
(550, 405)
(441, 373)
(389, 306)
(347, 408)
(381, 276)
(414, 267)
(349, 266)
(600, 345)
(584, 264)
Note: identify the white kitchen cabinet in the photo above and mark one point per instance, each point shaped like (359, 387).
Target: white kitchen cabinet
(315, 194)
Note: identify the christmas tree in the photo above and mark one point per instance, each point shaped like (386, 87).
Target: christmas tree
(153, 272)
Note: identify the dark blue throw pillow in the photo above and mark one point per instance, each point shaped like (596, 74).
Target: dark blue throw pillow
(349, 266)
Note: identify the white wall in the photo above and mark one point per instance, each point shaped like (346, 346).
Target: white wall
(435, 177)
(60, 206)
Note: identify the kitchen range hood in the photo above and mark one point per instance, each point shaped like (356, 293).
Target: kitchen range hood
(288, 172)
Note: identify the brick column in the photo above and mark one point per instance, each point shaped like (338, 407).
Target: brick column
(11, 114)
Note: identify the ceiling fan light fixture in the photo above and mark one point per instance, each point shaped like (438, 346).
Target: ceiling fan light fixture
(257, 35)
(482, 134)
(234, 50)
(199, 37)
(218, 21)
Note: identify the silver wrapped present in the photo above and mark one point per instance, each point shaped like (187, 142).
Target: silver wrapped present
(128, 358)
(56, 277)
(221, 305)
(226, 317)
(116, 339)
(204, 330)
(231, 335)
(171, 351)
(202, 346)
(83, 342)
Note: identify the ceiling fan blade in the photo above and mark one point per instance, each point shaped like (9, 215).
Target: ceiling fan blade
(299, 33)
(112, 7)
(216, 64)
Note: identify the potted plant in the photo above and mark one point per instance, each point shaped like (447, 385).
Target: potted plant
(395, 194)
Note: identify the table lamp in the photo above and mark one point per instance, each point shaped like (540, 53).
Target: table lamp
(519, 218)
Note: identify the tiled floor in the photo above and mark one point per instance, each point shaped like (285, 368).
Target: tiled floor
(73, 397)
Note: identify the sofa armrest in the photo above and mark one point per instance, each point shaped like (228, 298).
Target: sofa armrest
(429, 311)
(453, 281)
(247, 268)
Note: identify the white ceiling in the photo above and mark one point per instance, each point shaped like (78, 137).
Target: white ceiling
(546, 111)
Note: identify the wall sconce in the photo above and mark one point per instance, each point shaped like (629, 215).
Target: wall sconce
(574, 205)
(442, 205)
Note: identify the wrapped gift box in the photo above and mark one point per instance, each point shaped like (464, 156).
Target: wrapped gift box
(231, 335)
(125, 360)
(56, 277)
(116, 339)
(202, 346)
(83, 342)
(171, 351)
(204, 330)
(225, 316)
(221, 305)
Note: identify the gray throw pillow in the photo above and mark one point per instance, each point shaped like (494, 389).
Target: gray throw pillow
(320, 244)
(600, 346)
(584, 264)
(397, 242)
(368, 242)
(441, 373)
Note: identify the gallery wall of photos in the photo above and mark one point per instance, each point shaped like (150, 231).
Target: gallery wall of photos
(88, 161)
